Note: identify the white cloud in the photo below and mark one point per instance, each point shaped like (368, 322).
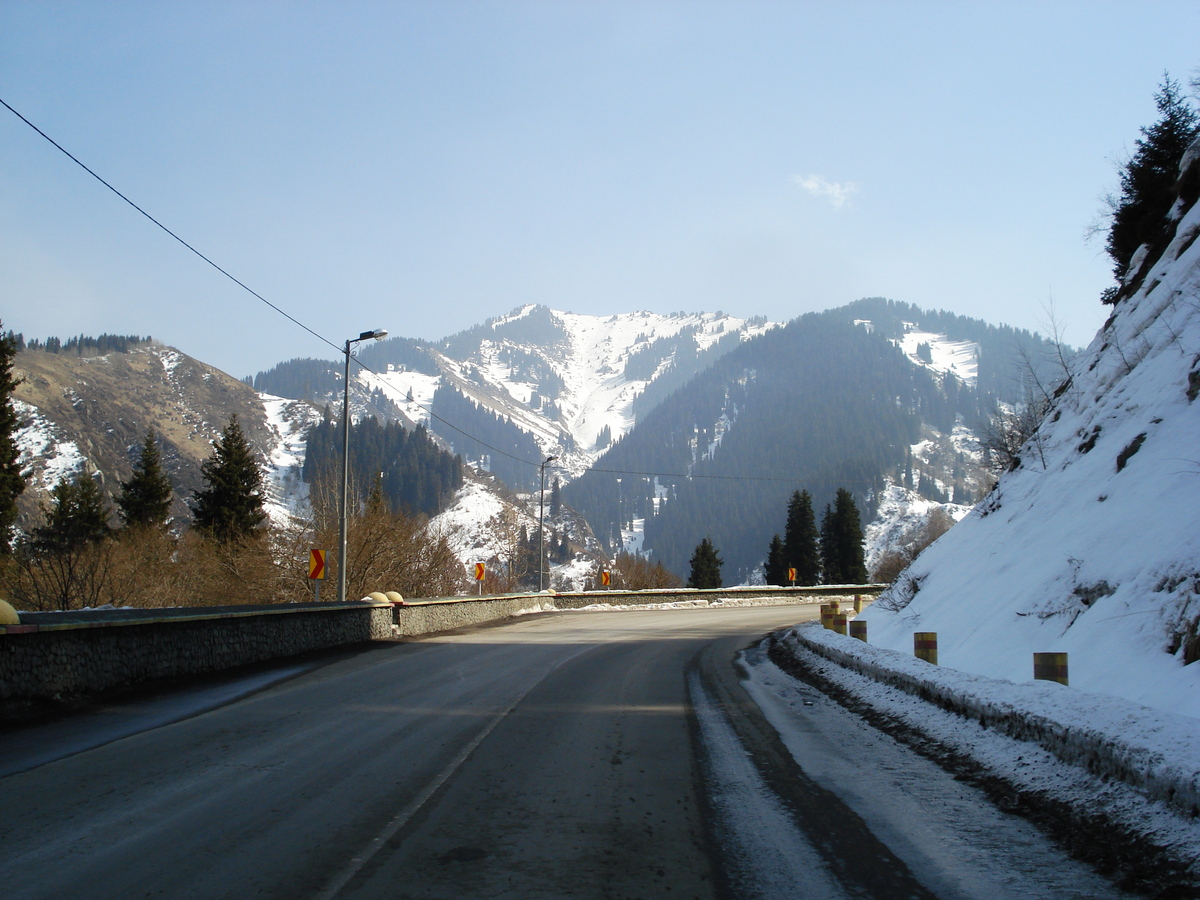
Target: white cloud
(837, 194)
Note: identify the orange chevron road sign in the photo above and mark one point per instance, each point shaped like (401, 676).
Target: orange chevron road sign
(316, 564)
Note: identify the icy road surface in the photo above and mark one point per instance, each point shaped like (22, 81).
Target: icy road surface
(594, 754)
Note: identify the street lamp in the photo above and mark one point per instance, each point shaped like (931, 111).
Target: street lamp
(541, 519)
(378, 334)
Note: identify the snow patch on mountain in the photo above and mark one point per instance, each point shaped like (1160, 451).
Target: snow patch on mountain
(901, 513)
(586, 392)
(410, 392)
(44, 452)
(286, 492)
(937, 352)
(469, 523)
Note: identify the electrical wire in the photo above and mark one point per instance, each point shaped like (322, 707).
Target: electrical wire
(240, 284)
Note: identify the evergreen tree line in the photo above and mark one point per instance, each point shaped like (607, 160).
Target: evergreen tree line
(530, 368)
(538, 326)
(301, 379)
(230, 506)
(680, 347)
(415, 474)
(488, 433)
(82, 345)
(320, 380)
(409, 354)
(683, 368)
(1005, 353)
(76, 557)
(834, 555)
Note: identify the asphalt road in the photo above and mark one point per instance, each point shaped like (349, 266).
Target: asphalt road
(592, 754)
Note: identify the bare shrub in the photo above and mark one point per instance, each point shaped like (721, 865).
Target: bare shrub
(634, 572)
(386, 550)
(1005, 432)
(910, 545)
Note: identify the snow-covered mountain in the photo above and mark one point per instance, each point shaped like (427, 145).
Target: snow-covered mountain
(572, 381)
(1091, 545)
(540, 382)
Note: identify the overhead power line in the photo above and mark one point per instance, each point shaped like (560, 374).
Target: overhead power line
(240, 284)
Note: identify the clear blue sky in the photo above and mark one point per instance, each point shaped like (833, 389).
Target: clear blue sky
(424, 166)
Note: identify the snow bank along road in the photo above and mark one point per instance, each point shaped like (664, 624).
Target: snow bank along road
(590, 754)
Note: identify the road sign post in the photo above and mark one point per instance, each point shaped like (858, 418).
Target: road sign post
(479, 573)
(316, 570)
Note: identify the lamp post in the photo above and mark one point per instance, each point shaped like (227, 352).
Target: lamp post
(378, 334)
(541, 519)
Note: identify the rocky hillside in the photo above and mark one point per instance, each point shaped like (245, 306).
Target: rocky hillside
(92, 412)
(1091, 544)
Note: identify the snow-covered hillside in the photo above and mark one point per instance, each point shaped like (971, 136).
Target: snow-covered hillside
(1092, 545)
(937, 351)
(589, 357)
(288, 420)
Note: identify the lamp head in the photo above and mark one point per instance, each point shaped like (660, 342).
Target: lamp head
(378, 334)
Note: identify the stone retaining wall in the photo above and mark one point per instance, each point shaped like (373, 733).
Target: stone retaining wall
(52, 655)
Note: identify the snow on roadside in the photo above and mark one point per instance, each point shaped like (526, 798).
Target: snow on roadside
(1066, 745)
(948, 833)
(767, 854)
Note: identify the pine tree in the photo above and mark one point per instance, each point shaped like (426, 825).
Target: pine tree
(231, 507)
(775, 569)
(706, 566)
(145, 499)
(12, 477)
(555, 498)
(76, 517)
(842, 542)
(801, 542)
(1148, 179)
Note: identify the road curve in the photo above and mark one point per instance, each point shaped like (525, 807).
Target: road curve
(552, 756)
(625, 754)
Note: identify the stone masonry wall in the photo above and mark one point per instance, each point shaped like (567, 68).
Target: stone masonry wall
(44, 659)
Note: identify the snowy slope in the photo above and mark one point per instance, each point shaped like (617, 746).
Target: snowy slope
(1092, 545)
(590, 360)
(959, 358)
(288, 420)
